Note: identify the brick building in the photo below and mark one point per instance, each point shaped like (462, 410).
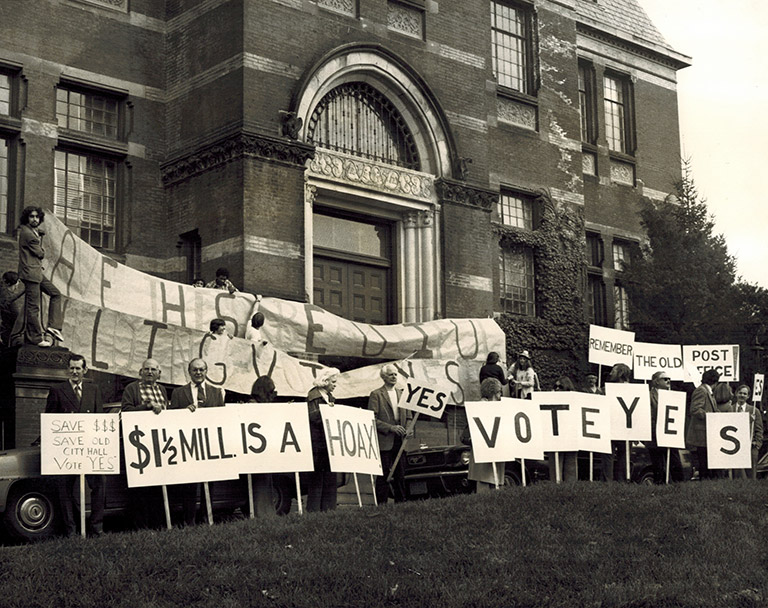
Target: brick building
(391, 160)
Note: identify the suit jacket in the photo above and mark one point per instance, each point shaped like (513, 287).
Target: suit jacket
(755, 424)
(381, 406)
(131, 401)
(31, 254)
(62, 399)
(702, 403)
(182, 396)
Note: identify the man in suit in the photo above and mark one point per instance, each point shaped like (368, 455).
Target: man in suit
(145, 394)
(702, 403)
(755, 428)
(76, 396)
(197, 393)
(31, 255)
(390, 427)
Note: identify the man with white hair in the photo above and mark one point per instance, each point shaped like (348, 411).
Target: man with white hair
(390, 427)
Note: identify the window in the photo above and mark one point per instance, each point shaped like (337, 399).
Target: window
(517, 287)
(357, 119)
(5, 94)
(594, 249)
(618, 114)
(88, 112)
(621, 255)
(511, 32)
(596, 300)
(587, 103)
(4, 175)
(621, 307)
(85, 196)
(191, 249)
(515, 210)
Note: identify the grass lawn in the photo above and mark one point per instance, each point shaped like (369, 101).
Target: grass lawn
(592, 545)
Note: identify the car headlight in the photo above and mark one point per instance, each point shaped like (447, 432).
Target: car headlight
(465, 457)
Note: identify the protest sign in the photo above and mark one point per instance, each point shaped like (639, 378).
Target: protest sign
(351, 439)
(728, 441)
(630, 406)
(560, 421)
(757, 388)
(651, 358)
(179, 446)
(79, 444)
(723, 358)
(610, 346)
(277, 437)
(504, 430)
(670, 419)
(594, 421)
(424, 399)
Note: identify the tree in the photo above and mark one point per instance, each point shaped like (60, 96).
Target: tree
(682, 283)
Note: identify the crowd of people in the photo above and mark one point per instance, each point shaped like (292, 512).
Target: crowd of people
(710, 396)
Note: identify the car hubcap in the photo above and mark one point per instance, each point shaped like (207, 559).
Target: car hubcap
(34, 512)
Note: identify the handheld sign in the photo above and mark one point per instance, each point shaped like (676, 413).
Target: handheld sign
(560, 422)
(610, 346)
(179, 446)
(757, 388)
(504, 430)
(594, 421)
(723, 358)
(276, 437)
(423, 398)
(670, 420)
(651, 358)
(728, 442)
(351, 439)
(630, 411)
(79, 444)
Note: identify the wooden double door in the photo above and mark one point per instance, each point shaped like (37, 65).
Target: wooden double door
(352, 290)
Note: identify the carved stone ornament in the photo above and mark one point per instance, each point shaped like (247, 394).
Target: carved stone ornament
(405, 19)
(241, 145)
(516, 113)
(458, 193)
(49, 358)
(622, 173)
(119, 5)
(291, 124)
(340, 6)
(376, 176)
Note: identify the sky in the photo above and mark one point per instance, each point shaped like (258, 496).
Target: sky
(723, 97)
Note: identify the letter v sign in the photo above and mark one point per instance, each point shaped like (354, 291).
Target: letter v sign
(489, 441)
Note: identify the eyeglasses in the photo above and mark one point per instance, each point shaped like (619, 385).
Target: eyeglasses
(667, 379)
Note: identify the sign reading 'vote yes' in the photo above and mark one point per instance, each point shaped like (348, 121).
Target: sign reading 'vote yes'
(74, 444)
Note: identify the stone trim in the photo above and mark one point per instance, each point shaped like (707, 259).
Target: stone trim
(240, 145)
(457, 193)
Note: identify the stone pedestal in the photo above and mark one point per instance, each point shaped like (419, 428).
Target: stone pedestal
(26, 375)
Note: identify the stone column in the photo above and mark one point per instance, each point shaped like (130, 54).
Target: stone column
(410, 222)
(427, 266)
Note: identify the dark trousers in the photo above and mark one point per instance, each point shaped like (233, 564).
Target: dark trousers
(69, 500)
(614, 465)
(659, 464)
(147, 509)
(321, 491)
(33, 330)
(190, 494)
(704, 471)
(397, 486)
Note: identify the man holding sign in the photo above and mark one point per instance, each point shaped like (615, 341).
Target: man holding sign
(390, 428)
(72, 397)
(702, 403)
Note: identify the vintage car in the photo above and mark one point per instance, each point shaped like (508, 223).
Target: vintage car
(29, 505)
(442, 471)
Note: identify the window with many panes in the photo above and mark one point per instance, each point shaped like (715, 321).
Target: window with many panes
(512, 45)
(516, 210)
(517, 282)
(594, 249)
(88, 112)
(618, 113)
(5, 94)
(86, 196)
(596, 300)
(621, 255)
(587, 102)
(621, 307)
(4, 177)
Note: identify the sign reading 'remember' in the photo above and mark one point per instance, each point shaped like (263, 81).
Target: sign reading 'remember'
(75, 444)
(610, 346)
(350, 436)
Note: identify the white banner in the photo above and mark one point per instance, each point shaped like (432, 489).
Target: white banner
(651, 358)
(630, 411)
(351, 439)
(610, 346)
(424, 399)
(723, 358)
(74, 444)
(560, 421)
(757, 388)
(728, 442)
(504, 430)
(670, 419)
(594, 421)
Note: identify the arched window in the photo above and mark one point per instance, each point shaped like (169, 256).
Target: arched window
(357, 119)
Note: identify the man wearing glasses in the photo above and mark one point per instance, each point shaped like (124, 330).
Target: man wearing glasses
(661, 380)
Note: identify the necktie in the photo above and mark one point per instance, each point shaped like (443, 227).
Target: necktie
(78, 393)
(200, 396)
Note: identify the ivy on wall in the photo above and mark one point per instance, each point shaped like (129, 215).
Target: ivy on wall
(557, 336)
